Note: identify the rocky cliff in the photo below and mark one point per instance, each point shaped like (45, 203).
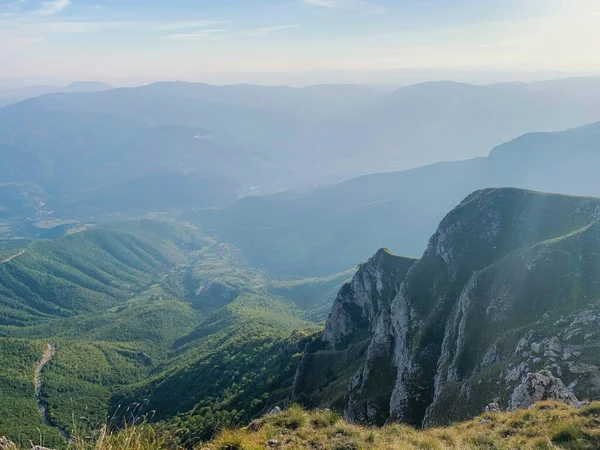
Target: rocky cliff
(330, 363)
(509, 285)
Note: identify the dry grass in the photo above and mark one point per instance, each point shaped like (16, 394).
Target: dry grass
(546, 426)
(140, 437)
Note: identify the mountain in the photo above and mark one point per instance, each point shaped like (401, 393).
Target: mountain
(267, 139)
(155, 318)
(310, 102)
(507, 286)
(440, 121)
(92, 270)
(16, 95)
(147, 310)
(330, 228)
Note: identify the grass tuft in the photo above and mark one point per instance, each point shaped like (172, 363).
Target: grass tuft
(547, 426)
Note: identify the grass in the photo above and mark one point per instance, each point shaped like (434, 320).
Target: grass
(546, 426)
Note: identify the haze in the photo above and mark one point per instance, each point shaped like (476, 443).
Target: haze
(297, 41)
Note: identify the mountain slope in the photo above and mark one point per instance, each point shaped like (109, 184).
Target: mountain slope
(147, 314)
(508, 285)
(329, 363)
(329, 228)
(437, 121)
(89, 271)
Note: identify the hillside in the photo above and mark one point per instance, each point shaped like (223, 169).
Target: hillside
(507, 286)
(149, 312)
(328, 229)
(548, 425)
(89, 271)
(154, 319)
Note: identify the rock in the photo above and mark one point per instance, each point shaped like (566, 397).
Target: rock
(540, 386)
(275, 410)
(581, 404)
(493, 408)
(254, 426)
(484, 421)
(273, 443)
(5, 444)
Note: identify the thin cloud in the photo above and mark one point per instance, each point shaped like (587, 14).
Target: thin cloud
(265, 31)
(203, 35)
(358, 6)
(187, 25)
(49, 8)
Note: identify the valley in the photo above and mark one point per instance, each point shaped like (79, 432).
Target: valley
(153, 282)
(130, 308)
(49, 353)
(299, 225)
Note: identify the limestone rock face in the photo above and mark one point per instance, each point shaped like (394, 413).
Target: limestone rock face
(509, 285)
(355, 332)
(540, 386)
(359, 303)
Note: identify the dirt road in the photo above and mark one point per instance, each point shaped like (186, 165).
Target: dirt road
(49, 353)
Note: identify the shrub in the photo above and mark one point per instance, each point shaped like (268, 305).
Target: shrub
(292, 418)
(324, 419)
(229, 440)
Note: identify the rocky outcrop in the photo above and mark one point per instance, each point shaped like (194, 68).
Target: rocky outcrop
(6, 444)
(361, 302)
(509, 285)
(329, 365)
(540, 386)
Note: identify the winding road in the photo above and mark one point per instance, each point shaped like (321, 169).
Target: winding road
(49, 353)
(10, 258)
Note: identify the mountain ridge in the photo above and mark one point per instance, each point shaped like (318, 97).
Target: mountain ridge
(458, 318)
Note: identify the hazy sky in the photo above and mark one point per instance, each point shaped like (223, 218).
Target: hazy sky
(196, 39)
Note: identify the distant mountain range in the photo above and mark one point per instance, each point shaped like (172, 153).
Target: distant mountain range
(330, 228)
(267, 139)
(178, 146)
(15, 95)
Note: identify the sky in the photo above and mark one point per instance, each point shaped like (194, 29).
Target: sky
(212, 40)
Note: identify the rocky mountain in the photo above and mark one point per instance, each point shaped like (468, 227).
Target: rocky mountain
(507, 286)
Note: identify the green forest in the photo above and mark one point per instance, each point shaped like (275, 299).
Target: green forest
(150, 319)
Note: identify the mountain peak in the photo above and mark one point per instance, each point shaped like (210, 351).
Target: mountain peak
(500, 284)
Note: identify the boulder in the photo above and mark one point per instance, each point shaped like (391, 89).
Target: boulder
(275, 410)
(6, 444)
(540, 386)
(493, 408)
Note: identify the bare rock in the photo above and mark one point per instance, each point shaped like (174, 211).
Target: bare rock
(275, 410)
(255, 425)
(493, 408)
(540, 386)
(6, 444)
